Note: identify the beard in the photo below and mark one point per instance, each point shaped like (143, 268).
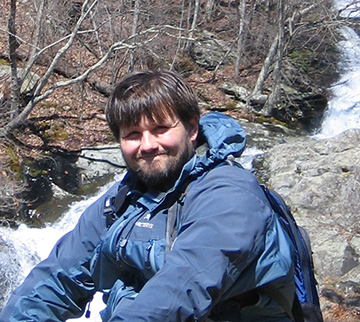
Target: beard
(161, 174)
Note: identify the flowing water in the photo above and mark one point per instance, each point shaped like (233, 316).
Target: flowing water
(34, 244)
(343, 111)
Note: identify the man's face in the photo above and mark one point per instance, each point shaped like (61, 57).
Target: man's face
(157, 151)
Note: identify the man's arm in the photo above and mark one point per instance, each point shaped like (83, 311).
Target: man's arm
(59, 287)
(222, 241)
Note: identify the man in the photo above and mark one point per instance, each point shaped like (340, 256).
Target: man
(193, 238)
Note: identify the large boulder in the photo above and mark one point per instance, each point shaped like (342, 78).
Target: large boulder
(208, 51)
(29, 82)
(320, 180)
(298, 110)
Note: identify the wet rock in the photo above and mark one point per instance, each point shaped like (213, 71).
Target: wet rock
(302, 110)
(332, 296)
(9, 271)
(97, 162)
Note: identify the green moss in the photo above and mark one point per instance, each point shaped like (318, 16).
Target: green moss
(56, 133)
(4, 62)
(263, 119)
(48, 105)
(231, 105)
(37, 172)
(14, 162)
(303, 60)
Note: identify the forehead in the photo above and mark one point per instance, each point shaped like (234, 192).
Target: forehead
(145, 122)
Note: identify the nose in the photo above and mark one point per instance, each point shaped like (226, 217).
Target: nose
(148, 142)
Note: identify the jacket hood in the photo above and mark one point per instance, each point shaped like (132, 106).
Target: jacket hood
(219, 137)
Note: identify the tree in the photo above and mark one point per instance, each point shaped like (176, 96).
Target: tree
(267, 110)
(13, 45)
(83, 31)
(241, 38)
(288, 29)
(133, 34)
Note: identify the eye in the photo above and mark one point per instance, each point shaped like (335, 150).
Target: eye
(131, 136)
(161, 129)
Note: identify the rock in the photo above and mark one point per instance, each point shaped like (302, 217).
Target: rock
(298, 110)
(208, 51)
(320, 180)
(301, 110)
(100, 161)
(9, 271)
(258, 100)
(29, 82)
(240, 93)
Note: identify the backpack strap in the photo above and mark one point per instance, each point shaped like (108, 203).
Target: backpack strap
(114, 204)
(173, 219)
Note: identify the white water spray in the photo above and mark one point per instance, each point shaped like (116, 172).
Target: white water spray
(343, 110)
(34, 244)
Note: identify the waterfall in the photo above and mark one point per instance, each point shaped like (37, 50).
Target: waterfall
(343, 111)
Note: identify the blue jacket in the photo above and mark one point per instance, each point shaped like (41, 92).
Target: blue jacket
(228, 242)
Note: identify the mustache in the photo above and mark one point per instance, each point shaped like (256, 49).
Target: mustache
(151, 153)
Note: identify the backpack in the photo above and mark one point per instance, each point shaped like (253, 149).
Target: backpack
(306, 306)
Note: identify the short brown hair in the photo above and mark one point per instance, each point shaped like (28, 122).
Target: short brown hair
(155, 95)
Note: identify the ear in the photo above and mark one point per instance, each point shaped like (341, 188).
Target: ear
(193, 129)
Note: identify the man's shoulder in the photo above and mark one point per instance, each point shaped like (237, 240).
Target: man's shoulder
(226, 179)
(230, 174)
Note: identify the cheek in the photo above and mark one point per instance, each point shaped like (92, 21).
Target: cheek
(129, 149)
(174, 139)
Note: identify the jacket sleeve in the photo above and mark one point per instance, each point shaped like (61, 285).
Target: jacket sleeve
(224, 248)
(59, 287)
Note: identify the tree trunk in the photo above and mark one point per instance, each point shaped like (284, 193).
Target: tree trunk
(195, 19)
(13, 45)
(274, 96)
(266, 67)
(180, 42)
(133, 34)
(210, 4)
(242, 11)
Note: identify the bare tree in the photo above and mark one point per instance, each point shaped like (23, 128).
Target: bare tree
(277, 49)
(209, 8)
(38, 96)
(242, 14)
(13, 45)
(266, 67)
(84, 27)
(133, 34)
(194, 19)
(268, 108)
